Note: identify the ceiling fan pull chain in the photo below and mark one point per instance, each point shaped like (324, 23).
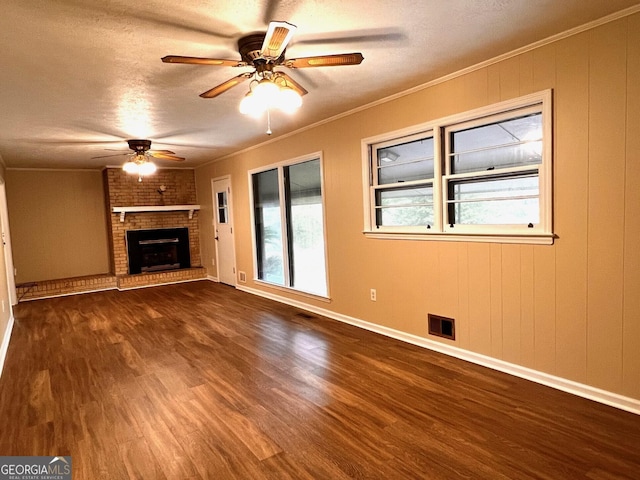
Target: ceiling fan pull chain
(269, 132)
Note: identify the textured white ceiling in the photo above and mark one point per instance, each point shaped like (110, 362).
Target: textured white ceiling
(78, 77)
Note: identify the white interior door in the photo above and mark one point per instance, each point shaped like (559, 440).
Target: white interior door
(223, 225)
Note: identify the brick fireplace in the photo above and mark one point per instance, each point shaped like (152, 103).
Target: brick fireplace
(168, 193)
(165, 201)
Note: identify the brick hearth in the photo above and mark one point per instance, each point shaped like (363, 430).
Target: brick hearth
(65, 286)
(96, 283)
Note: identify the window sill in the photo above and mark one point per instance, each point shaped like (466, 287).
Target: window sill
(527, 239)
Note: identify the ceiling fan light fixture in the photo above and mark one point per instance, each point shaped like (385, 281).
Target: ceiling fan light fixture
(146, 168)
(130, 167)
(268, 95)
(289, 100)
(249, 105)
(139, 165)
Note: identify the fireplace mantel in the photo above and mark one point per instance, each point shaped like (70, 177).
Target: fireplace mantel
(155, 208)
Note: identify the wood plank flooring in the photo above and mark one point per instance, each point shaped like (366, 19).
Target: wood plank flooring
(201, 381)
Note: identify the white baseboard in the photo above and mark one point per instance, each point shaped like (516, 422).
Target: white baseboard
(586, 391)
(5, 343)
(212, 279)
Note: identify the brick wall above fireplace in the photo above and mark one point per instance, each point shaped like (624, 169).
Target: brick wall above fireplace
(166, 187)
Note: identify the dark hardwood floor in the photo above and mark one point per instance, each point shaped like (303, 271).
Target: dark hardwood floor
(199, 380)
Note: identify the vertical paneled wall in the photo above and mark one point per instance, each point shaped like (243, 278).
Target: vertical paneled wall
(606, 202)
(631, 252)
(571, 309)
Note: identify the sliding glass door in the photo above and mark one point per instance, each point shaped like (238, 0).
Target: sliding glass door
(268, 227)
(289, 226)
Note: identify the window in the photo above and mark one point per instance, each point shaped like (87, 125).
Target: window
(403, 181)
(222, 207)
(288, 221)
(483, 175)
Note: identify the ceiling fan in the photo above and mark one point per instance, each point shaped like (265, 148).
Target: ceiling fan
(139, 162)
(141, 148)
(264, 52)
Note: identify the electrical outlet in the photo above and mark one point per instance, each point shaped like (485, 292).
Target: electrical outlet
(213, 262)
(2, 306)
(373, 294)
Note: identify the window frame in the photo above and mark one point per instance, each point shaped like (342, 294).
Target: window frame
(376, 187)
(280, 166)
(540, 233)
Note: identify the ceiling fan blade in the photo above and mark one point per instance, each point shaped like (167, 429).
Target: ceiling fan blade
(371, 35)
(293, 84)
(164, 152)
(154, 18)
(203, 61)
(325, 60)
(269, 10)
(44, 141)
(276, 39)
(167, 157)
(114, 155)
(223, 87)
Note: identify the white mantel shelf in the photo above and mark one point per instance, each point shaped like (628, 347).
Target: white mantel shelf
(156, 208)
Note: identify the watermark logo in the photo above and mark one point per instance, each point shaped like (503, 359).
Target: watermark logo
(35, 468)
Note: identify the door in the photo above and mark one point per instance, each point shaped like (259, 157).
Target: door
(223, 227)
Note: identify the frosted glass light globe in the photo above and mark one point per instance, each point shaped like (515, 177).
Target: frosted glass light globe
(289, 100)
(266, 94)
(130, 167)
(147, 168)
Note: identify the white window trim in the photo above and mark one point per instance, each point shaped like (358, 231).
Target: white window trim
(279, 166)
(542, 234)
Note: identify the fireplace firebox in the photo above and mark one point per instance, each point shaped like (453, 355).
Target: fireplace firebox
(158, 250)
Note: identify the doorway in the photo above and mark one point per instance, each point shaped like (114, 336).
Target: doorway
(223, 229)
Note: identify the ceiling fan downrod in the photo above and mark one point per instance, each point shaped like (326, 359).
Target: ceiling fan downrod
(269, 132)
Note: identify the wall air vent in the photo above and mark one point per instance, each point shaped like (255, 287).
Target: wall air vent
(442, 326)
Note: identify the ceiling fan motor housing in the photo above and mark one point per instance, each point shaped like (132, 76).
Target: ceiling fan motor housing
(250, 48)
(139, 145)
